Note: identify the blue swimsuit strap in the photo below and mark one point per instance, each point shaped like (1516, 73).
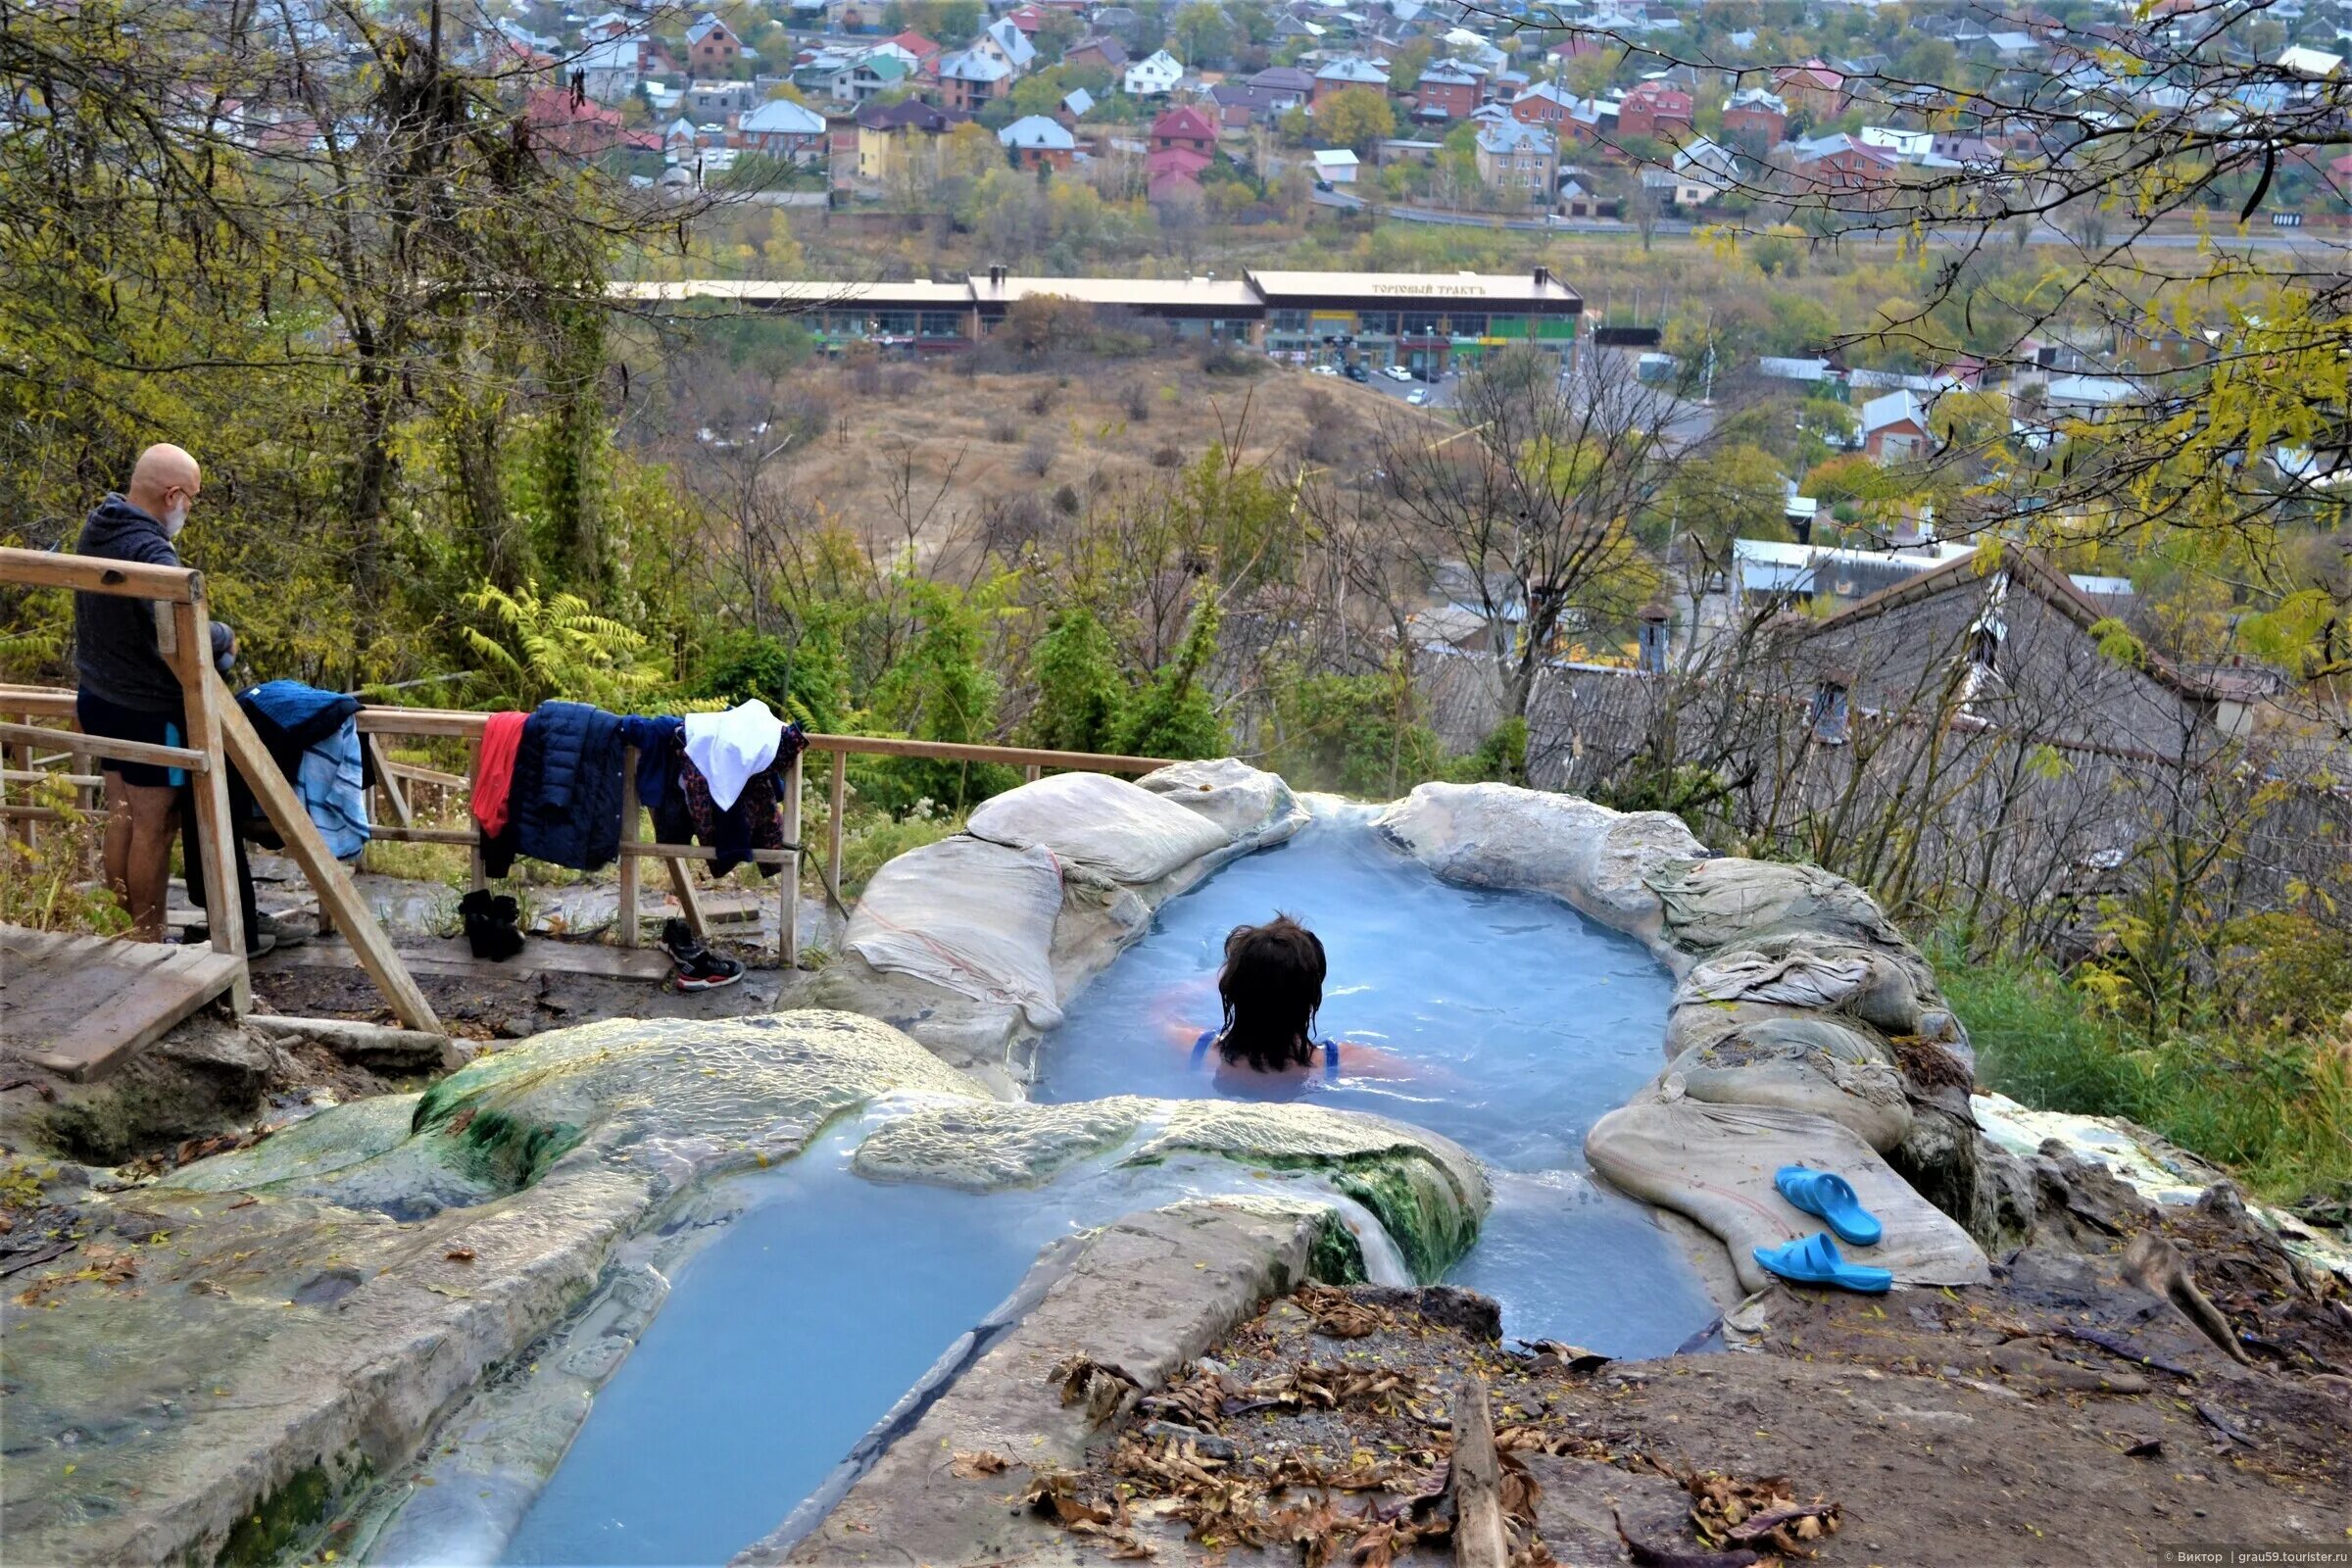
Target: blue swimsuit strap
(1208, 1037)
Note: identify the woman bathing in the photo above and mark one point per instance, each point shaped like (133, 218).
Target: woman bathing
(1271, 986)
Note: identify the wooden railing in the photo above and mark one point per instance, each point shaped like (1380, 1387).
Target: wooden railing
(391, 813)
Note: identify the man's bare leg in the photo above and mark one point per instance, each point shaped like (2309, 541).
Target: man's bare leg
(115, 851)
(154, 811)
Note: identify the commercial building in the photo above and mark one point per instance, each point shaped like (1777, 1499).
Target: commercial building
(1423, 321)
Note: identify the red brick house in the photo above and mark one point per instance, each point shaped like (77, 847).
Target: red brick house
(1445, 91)
(1104, 51)
(712, 47)
(1656, 111)
(1811, 89)
(1756, 117)
(1184, 128)
(1544, 104)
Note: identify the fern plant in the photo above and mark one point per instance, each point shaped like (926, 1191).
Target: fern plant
(531, 648)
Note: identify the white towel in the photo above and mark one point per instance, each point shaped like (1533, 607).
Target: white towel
(733, 748)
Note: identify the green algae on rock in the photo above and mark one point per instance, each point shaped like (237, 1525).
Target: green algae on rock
(1426, 1191)
(981, 1147)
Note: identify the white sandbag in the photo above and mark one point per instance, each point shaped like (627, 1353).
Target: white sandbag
(1502, 836)
(1104, 824)
(1714, 1164)
(1810, 1064)
(973, 916)
(1712, 904)
(1252, 806)
(1796, 980)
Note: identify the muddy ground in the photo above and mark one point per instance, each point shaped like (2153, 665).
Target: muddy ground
(2064, 1416)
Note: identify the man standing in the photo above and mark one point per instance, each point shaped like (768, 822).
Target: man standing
(127, 691)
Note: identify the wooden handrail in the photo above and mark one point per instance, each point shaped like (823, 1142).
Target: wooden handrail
(181, 757)
(95, 574)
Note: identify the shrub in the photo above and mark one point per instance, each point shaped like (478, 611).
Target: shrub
(1037, 458)
(1080, 695)
(1169, 455)
(1066, 500)
(1135, 399)
(1004, 429)
(1041, 402)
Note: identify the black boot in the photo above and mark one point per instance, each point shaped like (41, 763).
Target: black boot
(697, 968)
(493, 924)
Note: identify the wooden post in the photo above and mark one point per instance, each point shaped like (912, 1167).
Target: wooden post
(630, 825)
(1032, 773)
(1479, 1537)
(208, 704)
(18, 756)
(788, 928)
(681, 882)
(837, 804)
(338, 899)
(92, 804)
(473, 770)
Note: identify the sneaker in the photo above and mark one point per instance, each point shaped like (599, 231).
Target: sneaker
(257, 943)
(694, 966)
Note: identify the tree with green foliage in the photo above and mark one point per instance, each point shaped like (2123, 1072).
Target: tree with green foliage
(940, 689)
(1175, 715)
(1081, 699)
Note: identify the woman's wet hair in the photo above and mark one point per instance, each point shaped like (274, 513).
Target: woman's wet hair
(1272, 985)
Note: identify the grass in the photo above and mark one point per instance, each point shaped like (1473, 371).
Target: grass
(2276, 1109)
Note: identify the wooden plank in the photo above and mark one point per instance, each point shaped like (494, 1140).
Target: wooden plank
(837, 806)
(387, 781)
(203, 695)
(788, 918)
(42, 775)
(141, 990)
(690, 902)
(631, 826)
(37, 701)
(338, 900)
(451, 957)
(1479, 1538)
(127, 580)
(1016, 755)
(106, 746)
(420, 721)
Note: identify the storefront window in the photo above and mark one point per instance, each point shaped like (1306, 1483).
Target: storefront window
(1469, 323)
(1376, 323)
(943, 324)
(1420, 324)
(1287, 321)
(895, 323)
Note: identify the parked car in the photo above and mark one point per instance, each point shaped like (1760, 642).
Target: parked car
(1416, 397)
(1321, 369)
(1322, 184)
(1396, 372)
(1357, 372)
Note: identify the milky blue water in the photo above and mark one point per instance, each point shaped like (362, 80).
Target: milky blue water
(1517, 1021)
(813, 1311)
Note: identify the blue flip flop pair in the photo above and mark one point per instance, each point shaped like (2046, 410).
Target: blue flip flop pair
(1814, 1259)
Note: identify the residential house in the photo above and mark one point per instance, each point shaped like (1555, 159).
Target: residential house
(1100, 51)
(1035, 141)
(1756, 117)
(711, 45)
(610, 69)
(1155, 75)
(1027, 18)
(1907, 146)
(716, 100)
(1516, 158)
(679, 138)
(1186, 127)
(1578, 202)
(1544, 104)
(1336, 165)
(1894, 428)
(1447, 90)
(1672, 188)
(920, 50)
(1298, 84)
(853, 16)
(970, 79)
(573, 127)
(1655, 109)
(1836, 163)
(1345, 71)
(1076, 104)
(1171, 174)
(1239, 104)
(1002, 40)
(895, 137)
(782, 129)
(1812, 89)
(871, 76)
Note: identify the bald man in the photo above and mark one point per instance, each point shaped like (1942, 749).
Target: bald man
(126, 688)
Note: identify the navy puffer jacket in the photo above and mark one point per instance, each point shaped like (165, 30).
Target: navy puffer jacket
(565, 804)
